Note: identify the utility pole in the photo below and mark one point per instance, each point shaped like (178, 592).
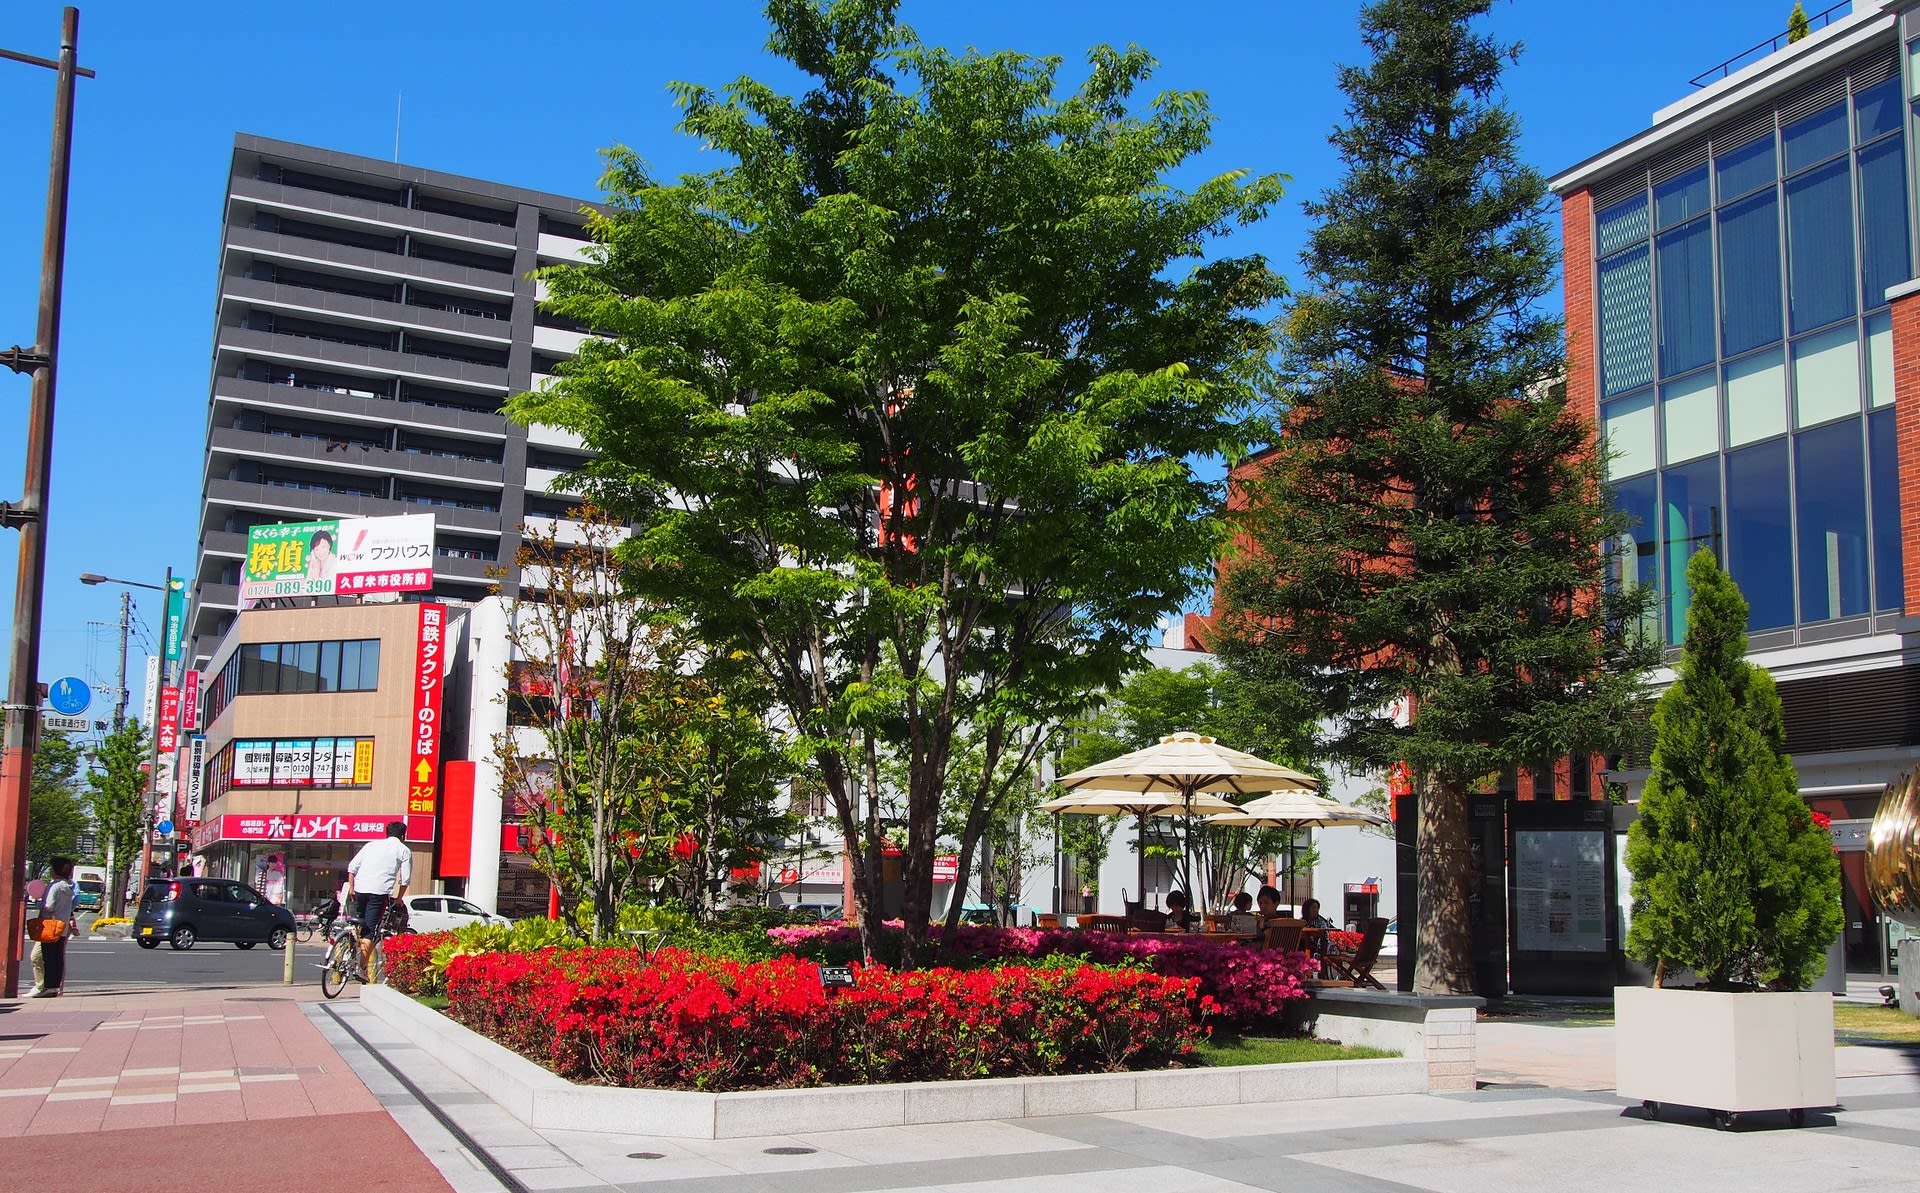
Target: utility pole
(29, 514)
(126, 624)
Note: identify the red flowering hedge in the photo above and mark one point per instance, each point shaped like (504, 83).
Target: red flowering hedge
(1246, 985)
(407, 958)
(689, 1021)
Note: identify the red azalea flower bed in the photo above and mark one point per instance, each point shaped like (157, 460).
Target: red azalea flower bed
(1342, 941)
(1246, 985)
(688, 1021)
(407, 958)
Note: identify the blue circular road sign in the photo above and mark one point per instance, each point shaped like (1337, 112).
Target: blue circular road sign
(164, 828)
(69, 696)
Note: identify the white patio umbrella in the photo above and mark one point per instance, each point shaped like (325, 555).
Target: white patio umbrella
(1293, 812)
(1181, 769)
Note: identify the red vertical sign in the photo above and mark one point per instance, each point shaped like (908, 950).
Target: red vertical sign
(423, 760)
(168, 733)
(190, 701)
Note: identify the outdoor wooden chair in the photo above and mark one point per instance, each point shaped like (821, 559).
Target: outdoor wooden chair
(1102, 923)
(1146, 921)
(1357, 966)
(1282, 934)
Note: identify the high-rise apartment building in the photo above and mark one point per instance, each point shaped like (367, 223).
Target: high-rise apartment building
(1743, 326)
(372, 318)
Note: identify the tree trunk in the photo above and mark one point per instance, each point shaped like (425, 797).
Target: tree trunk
(1444, 957)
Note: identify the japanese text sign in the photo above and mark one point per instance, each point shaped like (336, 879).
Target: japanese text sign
(429, 672)
(344, 557)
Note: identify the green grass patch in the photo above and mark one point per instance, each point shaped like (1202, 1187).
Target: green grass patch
(1879, 1023)
(433, 1002)
(1228, 1048)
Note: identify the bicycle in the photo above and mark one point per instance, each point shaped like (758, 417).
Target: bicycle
(319, 921)
(343, 954)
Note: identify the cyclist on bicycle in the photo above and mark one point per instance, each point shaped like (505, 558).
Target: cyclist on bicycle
(378, 874)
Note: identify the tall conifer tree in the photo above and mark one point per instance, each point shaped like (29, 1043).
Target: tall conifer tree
(1731, 876)
(1431, 522)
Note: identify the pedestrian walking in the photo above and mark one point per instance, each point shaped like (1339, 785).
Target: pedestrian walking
(50, 931)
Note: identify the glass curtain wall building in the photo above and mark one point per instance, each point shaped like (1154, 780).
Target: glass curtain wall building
(1737, 282)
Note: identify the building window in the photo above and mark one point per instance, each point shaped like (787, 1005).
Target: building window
(1756, 398)
(1826, 376)
(1690, 517)
(1760, 532)
(1635, 551)
(1883, 221)
(1876, 110)
(1750, 273)
(1626, 322)
(1889, 579)
(1627, 424)
(1832, 508)
(1681, 198)
(1748, 168)
(1686, 297)
(281, 667)
(301, 762)
(1621, 225)
(1820, 247)
(1689, 418)
(1813, 139)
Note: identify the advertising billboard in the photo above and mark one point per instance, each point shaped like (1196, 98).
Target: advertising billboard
(423, 767)
(339, 557)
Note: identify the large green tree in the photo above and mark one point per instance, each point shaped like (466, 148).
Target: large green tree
(1731, 876)
(907, 400)
(57, 816)
(1432, 523)
(117, 787)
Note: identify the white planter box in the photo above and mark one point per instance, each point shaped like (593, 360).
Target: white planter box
(1724, 1052)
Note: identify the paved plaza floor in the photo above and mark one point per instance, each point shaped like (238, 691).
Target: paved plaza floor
(1548, 1125)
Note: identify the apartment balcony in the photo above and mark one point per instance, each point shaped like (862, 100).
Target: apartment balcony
(226, 543)
(218, 596)
(558, 340)
(563, 248)
(547, 436)
(279, 196)
(407, 365)
(568, 533)
(456, 567)
(548, 480)
(374, 310)
(310, 505)
(393, 265)
(367, 408)
(352, 457)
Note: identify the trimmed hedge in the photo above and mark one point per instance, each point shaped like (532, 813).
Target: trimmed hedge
(689, 1021)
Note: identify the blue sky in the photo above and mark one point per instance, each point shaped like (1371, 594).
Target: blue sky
(528, 94)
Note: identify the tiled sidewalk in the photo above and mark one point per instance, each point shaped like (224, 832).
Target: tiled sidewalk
(87, 1090)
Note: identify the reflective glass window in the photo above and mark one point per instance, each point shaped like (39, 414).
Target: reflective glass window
(1815, 138)
(1820, 286)
(1826, 376)
(1883, 455)
(1626, 424)
(1830, 494)
(1621, 225)
(329, 666)
(1760, 533)
(1876, 110)
(1689, 522)
(1626, 322)
(1750, 273)
(1690, 418)
(1636, 549)
(370, 664)
(1742, 169)
(1681, 198)
(1686, 297)
(1883, 221)
(306, 676)
(1880, 359)
(1756, 398)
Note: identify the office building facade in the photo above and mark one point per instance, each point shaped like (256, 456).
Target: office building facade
(1743, 327)
(372, 318)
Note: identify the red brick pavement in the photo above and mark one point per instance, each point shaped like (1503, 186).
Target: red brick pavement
(92, 1099)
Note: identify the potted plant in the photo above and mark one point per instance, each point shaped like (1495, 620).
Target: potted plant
(1734, 883)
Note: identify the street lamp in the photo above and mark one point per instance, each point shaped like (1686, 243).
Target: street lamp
(168, 588)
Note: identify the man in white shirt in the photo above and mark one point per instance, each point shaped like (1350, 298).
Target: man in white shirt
(378, 874)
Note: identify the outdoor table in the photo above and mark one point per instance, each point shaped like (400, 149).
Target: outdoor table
(1240, 936)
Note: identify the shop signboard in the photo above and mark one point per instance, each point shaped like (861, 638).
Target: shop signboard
(252, 764)
(176, 620)
(196, 778)
(167, 738)
(423, 763)
(339, 557)
(190, 701)
(149, 702)
(318, 826)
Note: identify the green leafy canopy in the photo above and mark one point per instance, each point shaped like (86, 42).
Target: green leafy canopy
(906, 400)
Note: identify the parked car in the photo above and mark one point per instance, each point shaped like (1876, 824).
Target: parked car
(1390, 943)
(441, 913)
(185, 911)
(819, 911)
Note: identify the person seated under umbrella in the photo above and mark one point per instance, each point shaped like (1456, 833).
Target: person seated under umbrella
(1180, 917)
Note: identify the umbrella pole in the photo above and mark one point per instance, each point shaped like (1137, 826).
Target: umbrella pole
(1140, 850)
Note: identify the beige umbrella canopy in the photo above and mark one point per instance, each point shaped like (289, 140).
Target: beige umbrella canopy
(1088, 802)
(1184, 764)
(1293, 811)
(1180, 772)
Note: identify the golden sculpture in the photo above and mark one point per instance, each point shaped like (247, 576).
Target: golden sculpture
(1893, 851)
